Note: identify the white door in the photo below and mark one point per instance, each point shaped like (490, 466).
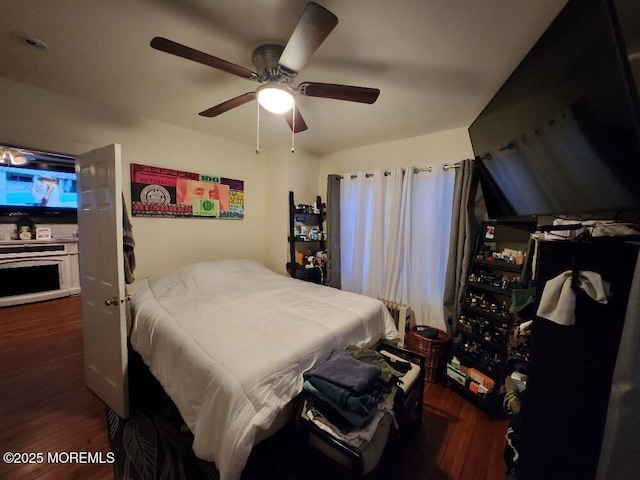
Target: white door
(102, 275)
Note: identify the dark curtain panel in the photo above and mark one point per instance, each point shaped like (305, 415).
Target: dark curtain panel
(466, 217)
(333, 228)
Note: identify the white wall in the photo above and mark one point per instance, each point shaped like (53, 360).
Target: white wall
(436, 149)
(39, 119)
(296, 172)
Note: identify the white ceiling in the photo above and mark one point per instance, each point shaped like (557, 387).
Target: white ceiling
(436, 62)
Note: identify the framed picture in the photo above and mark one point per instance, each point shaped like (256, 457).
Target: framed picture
(490, 232)
(163, 192)
(43, 233)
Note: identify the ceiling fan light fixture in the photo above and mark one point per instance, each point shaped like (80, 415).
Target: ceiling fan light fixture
(275, 98)
(20, 159)
(13, 157)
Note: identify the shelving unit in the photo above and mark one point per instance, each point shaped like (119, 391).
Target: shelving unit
(306, 240)
(477, 363)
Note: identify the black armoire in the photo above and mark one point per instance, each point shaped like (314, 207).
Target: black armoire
(565, 410)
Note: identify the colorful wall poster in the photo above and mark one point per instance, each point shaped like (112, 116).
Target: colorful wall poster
(163, 192)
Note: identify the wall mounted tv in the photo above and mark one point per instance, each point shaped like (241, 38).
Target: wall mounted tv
(43, 188)
(562, 136)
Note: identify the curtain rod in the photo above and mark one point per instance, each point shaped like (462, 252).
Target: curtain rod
(445, 167)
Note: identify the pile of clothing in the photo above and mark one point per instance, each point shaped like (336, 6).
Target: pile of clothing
(352, 392)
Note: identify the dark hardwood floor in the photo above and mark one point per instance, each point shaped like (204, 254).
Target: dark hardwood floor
(45, 407)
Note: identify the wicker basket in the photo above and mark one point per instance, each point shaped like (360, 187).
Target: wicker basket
(434, 350)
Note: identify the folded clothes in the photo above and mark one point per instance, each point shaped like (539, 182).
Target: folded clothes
(359, 404)
(372, 357)
(356, 409)
(355, 437)
(343, 370)
(332, 414)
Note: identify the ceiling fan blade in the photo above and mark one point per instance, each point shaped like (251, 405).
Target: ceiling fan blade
(314, 25)
(228, 105)
(169, 46)
(339, 92)
(300, 125)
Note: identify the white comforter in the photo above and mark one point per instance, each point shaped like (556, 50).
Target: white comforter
(229, 341)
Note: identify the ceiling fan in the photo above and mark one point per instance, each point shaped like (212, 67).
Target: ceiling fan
(276, 67)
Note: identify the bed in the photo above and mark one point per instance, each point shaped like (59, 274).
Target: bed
(229, 341)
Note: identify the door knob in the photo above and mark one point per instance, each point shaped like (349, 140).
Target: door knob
(111, 301)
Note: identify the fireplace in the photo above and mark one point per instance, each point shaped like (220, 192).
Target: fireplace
(32, 271)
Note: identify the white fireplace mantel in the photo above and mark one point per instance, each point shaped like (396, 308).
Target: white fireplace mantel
(18, 254)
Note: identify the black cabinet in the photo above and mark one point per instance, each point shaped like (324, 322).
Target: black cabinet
(307, 239)
(477, 362)
(571, 366)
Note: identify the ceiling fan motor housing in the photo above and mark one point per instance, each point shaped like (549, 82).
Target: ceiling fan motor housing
(265, 58)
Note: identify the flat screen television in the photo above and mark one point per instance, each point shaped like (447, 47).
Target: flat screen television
(43, 189)
(562, 136)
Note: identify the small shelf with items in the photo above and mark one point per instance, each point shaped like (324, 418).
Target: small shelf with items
(468, 379)
(499, 264)
(477, 364)
(307, 238)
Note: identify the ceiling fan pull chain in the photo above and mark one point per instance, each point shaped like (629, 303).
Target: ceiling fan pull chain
(258, 128)
(293, 126)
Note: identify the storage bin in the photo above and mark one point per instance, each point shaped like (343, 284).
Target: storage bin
(456, 375)
(434, 349)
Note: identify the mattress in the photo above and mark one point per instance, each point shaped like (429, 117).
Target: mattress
(230, 340)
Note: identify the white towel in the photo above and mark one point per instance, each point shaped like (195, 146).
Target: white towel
(558, 300)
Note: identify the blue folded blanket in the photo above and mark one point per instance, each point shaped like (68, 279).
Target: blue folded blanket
(357, 410)
(343, 370)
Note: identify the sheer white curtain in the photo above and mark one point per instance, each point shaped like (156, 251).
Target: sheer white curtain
(429, 217)
(370, 206)
(395, 237)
